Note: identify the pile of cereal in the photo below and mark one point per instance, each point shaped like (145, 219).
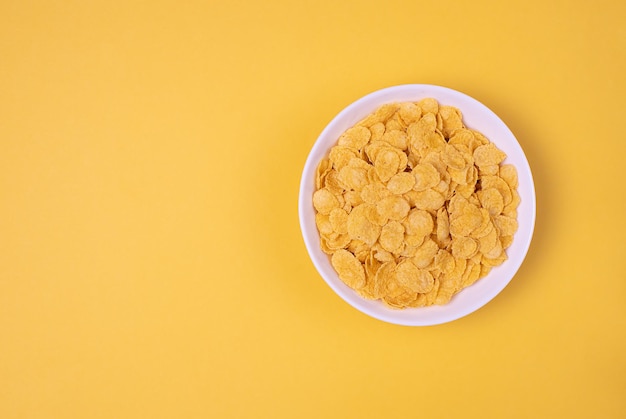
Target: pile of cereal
(413, 206)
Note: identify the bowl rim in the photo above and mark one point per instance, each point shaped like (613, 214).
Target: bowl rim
(345, 119)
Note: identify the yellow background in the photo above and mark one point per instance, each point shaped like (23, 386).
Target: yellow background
(151, 262)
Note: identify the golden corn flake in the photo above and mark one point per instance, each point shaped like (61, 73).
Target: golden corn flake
(418, 223)
(338, 219)
(488, 155)
(381, 114)
(507, 226)
(451, 120)
(443, 226)
(425, 254)
(464, 247)
(489, 241)
(471, 274)
(320, 173)
(324, 201)
(355, 178)
(401, 183)
(333, 182)
(444, 262)
(509, 174)
(355, 137)
(497, 182)
(393, 207)
(428, 105)
(409, 113)
(359, 249)
(360, 227)
(392, 236)
(429, 200)
(491, 200)
(340, 156)
(372, 214)
(410, 276)
(374, 192)
(381, 254)
(491, 169)
(386, 164)
(384, 276)
(412, 206)
(335, 241)
(426, 176)
(396, 138)
(506, 240)
(349, 269)
(413, 241)
(377, 130)
(352, 198)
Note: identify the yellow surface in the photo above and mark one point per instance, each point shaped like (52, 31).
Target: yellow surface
(151, 262)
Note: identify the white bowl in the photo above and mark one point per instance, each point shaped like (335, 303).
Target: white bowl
(476, 116)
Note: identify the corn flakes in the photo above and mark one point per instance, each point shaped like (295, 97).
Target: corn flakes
(412, 206)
